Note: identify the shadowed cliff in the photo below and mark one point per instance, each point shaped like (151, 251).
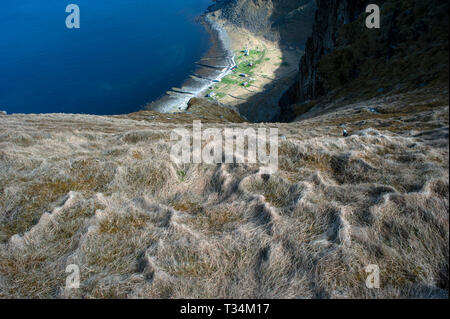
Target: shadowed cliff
(287, 23)
(348, 62)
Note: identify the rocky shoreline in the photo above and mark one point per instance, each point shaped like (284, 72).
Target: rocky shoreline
(217, 63)
(274, 74)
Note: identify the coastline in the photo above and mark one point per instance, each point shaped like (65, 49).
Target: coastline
(259, 76)
(215, 64)
(221, 34)
(264, 70)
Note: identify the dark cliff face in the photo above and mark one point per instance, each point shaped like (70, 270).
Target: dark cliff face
(288, 21)
(330, 16)
(344, 57)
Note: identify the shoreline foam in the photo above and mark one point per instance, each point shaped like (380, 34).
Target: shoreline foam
(216, 63)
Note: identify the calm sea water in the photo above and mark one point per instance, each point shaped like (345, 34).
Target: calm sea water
(126, 53)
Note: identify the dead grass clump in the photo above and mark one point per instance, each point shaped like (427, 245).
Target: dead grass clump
(91, 175)
(216, 220)
(295, 161)
(347, 170)
(30, 275)
(123, 223)
(114, 248)
(114, 287)
(137, 155)
(187, 206)
(23, 211)
(211, 269)
(23, 140)
(190, 263)
(147, 177)
(440, 187)
(412, 227)
(316, 221)
(38, 270)
(143, 136)
(275, 191)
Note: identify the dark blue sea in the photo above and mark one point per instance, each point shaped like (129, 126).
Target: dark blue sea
(125, 54)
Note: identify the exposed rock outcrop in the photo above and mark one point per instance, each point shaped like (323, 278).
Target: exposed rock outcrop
(410, 50)
(274, 19)
(331, 15)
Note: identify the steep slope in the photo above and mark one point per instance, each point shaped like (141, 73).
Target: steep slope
(347, 61)
(274, 32)
(273, 19)
(102, 193)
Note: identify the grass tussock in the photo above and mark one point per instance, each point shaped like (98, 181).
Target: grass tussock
(108, 199)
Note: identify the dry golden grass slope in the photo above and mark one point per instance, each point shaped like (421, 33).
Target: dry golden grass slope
(102, 193)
